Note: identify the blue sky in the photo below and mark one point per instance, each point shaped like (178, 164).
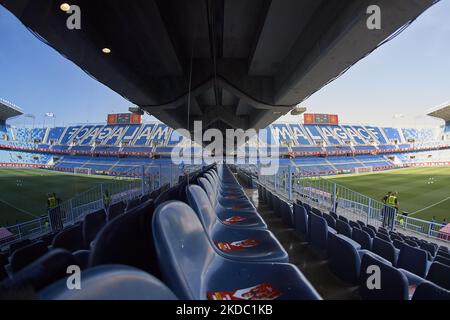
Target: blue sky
(395, 85)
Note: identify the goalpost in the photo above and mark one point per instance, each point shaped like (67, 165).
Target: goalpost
(363, 169)
(78, 170)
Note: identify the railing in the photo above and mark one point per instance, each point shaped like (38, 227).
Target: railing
(327, 195)
(132, 184)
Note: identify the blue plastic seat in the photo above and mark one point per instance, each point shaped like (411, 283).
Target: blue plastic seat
(439, 274)
(286, 213)
(414, 260)
(429, 291)
(92, 224)
(344, 260)
(342, 218)
(194, 271)
(343, 228)
(111, 282)
(385, 249)
(393, 283)
(224, 238)
(276, 205)
(363, 238)
(330, 220)
(25, 255)
(383, 236)
(354, 225)
(300, 220)
(247, 219)
(442, 260)
(371, 233)
(318, 232)
(70, 238)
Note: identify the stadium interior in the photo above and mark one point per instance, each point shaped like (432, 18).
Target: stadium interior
(158, 230)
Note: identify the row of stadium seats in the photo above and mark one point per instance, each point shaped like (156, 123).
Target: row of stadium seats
(414, 268)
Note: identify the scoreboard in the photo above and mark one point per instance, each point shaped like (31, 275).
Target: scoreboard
(124, 118)
(320, 118)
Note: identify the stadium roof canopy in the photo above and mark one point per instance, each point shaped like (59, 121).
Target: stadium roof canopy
(441, 112)
(8, 110)
(252, 60)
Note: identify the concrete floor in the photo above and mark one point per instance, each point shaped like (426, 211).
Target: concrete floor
(301, 254)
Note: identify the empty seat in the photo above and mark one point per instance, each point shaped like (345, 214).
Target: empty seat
(343, 228)
(116, 210)
(92, 224)
(193, 270)
(334, 215)
(372, 228)
(442, 260)
(133, 203)
(342, 218)
(429, 291)
(385, 249)
(363, 238)
(300, 220)
(344, 260)
(393, 283)
(439, 274)
(362, 224)
(127, 240)
(431, 248)
(70, 238)
(414, 260)
(330, 221)
(286, 213)
(369, 231)
(412, 243)
(276, 205)
(42, 272)
(25, 255)
(383, 236)
(237, 243)
(354, 224)
(319, 232)
(317, 212)
(19, 244)
(112, 282)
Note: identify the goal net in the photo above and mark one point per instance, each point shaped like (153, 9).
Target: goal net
(363, 169)
(82, 171)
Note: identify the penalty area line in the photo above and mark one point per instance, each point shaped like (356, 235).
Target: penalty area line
(430, 206)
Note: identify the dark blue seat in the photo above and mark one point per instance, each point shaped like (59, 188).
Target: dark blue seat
(442, 260)
(330, 220)
(414, 260)
(439, 274)
(362, 224)
(385, 249)
(430, 291)
(116, 210)
(334, 215)
(343, 228)
(344, 260)
(363, 238)
(111, 282)
(300, 220)
(42, 272)
(276, 205)
(393, 283)
(225, 238)
(318, 232)
(369, 231)
(372, 228)
(236, 218)
(354, 225)
(18, 244)
(25, 255)
(412, 243)
(342, 218)
(431, 248)
(383, 236)
(286, 213)
(193, 270)
(70, 238)
(92, 224)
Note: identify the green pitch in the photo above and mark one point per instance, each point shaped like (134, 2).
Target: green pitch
(422, 190)
(23, 192)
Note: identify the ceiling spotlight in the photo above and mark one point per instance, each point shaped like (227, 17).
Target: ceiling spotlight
(65, 7)
(106, 50)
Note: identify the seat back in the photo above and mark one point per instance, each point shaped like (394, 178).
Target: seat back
(429, 291)
(334, 215)
(206, 185)
(343, 228)
(342, 218)
(300, 220)
(384, 249)
(199, 202)
(127, 240)
(413, 260)
(428, 247)
(412, 243)
(363, 238)
(383, 236)
(354, 225)
(439, 274)
(70, 238)
(276, 205)
(319, 232)
(369, 231)
(442, 260)
(183, 248)
(25, 255)
(286, 213)
(19, 244)
(343, 259)
(133, 203)
(92, 224)
(116, 209)
(330, 220)
(112, 282)
(393, 283)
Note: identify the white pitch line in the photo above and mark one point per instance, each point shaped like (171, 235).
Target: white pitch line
(431, 206)
(18, 209)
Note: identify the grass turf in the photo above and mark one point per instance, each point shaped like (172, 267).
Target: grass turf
(23, 192)
(418, 189)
